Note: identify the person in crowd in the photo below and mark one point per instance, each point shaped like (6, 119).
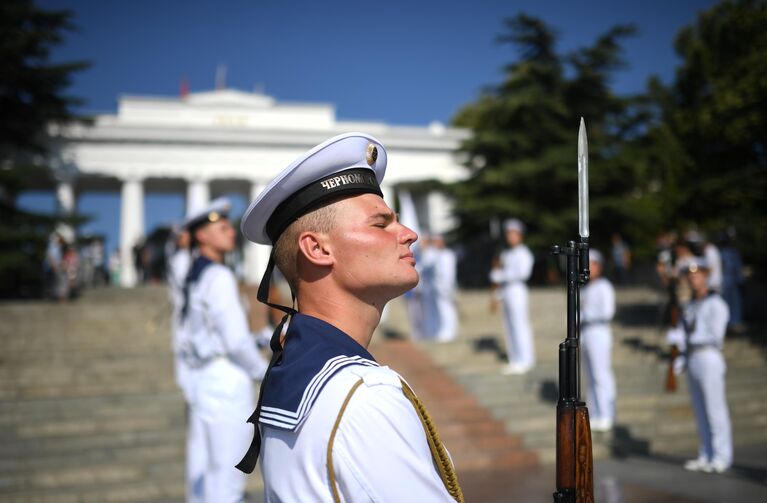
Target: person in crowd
(55, 270)
(510, 275)
(414, 298)
(597, 311)
(71, 264)
(427, 271)
(331, 424)
(700, 337)
(114, 266)
(216, 345)
(714, 260)
(87, 271)
(683, 255)
(97, 259)
(621, 258)
(439, 266)
(732, 280)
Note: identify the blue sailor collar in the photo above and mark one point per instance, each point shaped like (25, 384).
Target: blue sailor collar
(314, 352)
(198, 266)
(200, 263)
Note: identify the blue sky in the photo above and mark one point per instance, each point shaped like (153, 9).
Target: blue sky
(403, 62)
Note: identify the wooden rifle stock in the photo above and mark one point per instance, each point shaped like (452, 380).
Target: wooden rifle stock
(670, 375)
(575, 465)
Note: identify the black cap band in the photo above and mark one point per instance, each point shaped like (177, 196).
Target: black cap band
(207, 218)
(344, 183)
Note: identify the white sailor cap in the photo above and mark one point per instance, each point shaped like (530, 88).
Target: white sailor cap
(514, 224)
(348, 164)
(696, 264)
(596, 256)
(213, 212)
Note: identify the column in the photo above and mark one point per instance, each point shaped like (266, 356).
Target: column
(388, 195)
(197, 195)
(255, 256)
(131, 228)
(65, 196)
(440, 211)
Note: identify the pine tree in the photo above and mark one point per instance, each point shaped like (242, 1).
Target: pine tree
(32, 98)
(522, 154)
(714, 125)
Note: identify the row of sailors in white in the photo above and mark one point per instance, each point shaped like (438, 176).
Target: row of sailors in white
(437, 267)
(597, 308)
(431, 304)
(216, 359)
(700, 337)
(510, 275)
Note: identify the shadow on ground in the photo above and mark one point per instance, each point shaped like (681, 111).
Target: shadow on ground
(489, 344)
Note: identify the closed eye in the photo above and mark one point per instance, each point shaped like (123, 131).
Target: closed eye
(382, 220)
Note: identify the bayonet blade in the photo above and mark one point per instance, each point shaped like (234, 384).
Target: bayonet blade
(583, 181)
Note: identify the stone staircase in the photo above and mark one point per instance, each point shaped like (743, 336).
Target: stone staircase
(89, 411)
(650, 420)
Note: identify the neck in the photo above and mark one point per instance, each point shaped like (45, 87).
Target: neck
(701, 293)
(212, 254)
(355, 317)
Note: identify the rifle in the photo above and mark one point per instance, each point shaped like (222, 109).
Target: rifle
(575, 466)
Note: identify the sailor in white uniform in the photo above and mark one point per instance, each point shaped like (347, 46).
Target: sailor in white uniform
(515, 268)
(440, 266)
(180, 258)
(597, 311)
(331, 424)
(700, 337)
(216, 345)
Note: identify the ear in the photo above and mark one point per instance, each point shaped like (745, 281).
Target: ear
(315, 248)
(200, 234)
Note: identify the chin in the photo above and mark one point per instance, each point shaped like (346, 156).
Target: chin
(389, 291)
(408, 285)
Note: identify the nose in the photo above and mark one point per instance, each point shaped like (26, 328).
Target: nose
(408, 235)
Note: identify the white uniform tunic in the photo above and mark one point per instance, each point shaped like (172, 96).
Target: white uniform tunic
(217, 346)
(597, 310)
(714, 261)
(438, 287)
(380, 452)
(701, 337)
(178, 267)
(515, 269)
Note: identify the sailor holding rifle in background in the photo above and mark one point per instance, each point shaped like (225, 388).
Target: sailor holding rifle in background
(700, 337)
(514, 269)
(597, 310)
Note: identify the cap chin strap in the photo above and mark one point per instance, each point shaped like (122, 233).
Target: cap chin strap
(248, 462)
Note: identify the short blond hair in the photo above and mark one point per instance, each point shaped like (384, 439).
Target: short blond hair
(285, 250)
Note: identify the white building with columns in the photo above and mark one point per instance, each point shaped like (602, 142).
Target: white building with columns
(221, 141)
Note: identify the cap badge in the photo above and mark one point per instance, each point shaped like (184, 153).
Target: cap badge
(214, 216)
(372, 154)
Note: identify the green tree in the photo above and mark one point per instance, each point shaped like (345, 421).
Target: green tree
(714, 125)
(522, 154)
(32, 97)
